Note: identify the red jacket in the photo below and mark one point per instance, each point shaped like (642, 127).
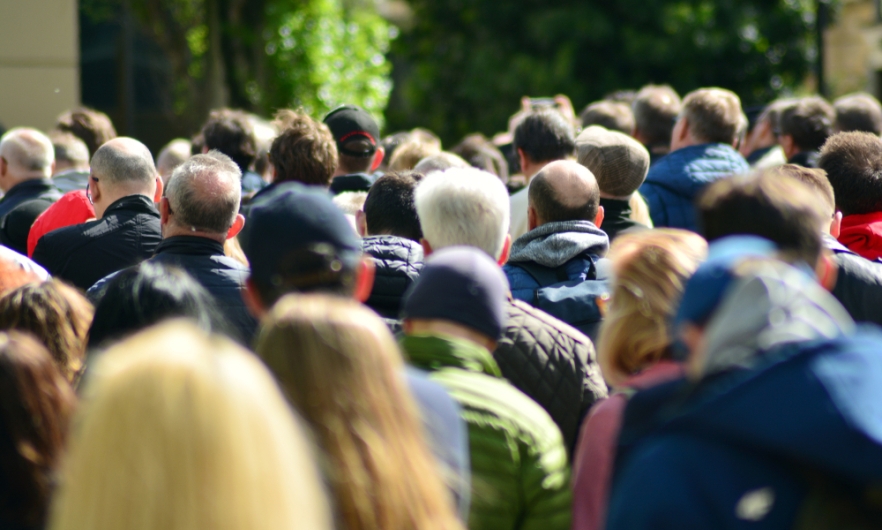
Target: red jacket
(71, 209)
(862, 234)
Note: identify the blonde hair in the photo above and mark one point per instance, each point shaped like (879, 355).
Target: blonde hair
(342, 369)
(651, 269)
(407, 155)
(184, 431)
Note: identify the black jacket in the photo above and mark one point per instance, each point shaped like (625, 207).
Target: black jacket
(858, 283)
(617, 218)
(805, 159)
(20, 207)
(398, 263)
(83, 254)
(353, 182)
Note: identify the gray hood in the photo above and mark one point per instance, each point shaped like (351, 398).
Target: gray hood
(554, 244)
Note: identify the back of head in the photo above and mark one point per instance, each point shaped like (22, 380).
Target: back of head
(204, 434)
(390, 208)
(124, 162)
(90, 126)
(656, 108)
(544, 136)
(204, 193)
(853, 162)
(613, 115)
(769, 205)
(618, 161)
(230, 132)
(480, 152)
(439, 162)
(714, 115)
(464, 206)
(858, 112)
(409, 154)
(69, 150)
(564, 191)
(28, 152)
(357, 135)
(172, 155)
(816, 180)
(304, 151)
(809, 121)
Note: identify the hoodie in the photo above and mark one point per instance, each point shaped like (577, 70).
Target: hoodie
(862, 234)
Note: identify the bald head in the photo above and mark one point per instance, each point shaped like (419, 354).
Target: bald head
(564, 191)
(28, 154)
(124, 162)
(204, 193)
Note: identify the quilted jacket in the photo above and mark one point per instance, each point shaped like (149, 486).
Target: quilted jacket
(673, 183)
(398, 262)
(520, 475)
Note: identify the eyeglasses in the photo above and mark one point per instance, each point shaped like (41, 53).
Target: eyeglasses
(89, 191)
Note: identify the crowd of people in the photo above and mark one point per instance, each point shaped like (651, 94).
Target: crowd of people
(660, 313)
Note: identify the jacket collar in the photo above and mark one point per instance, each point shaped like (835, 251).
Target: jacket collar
(30, 186)
(135, 203)
(433, 352)
(190, 245)
(615, 209)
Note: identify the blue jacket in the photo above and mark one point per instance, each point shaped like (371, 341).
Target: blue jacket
(673, 183)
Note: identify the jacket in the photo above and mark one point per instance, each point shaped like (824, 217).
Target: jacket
(20, 207)
(862, 234)
(71, 180)
(805, 158)
(552, 363)
(858, 283)
(71, 209)
(353, 182)
(617, 218)
(673, 183)
(82, 254)
(398, 262)
(520, 476)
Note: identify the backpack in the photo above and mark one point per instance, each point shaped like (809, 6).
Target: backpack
(579, 303)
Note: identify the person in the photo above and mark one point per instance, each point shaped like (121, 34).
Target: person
(859, 112)
(702, 151)
(343, 372)
(26, 162)
(803, 127)
(635, 350)
(199, 212)
(409, 153)
(175, 153)
(542, 137)
(123, 188)
(89, 125)
(204, 434)
(71, 171)
(439, 162)
(36, 403)
(760, 147)
(480, 152)
(619, 163)
(612, 115)
(656, 108)
(453, 316)
(359, 152)
(541, 356)
(73, 208)
(230, 132)
(55, 314)
(16, 261)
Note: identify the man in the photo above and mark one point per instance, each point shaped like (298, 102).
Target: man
(613, 115)
(702, 150)
(541, 356)
(71, 162)
(858, 112)
(123, 188)
(542, 137)
(803, 127)
(26, 162)
(171, 156)
(359, 152)
(656, 108)
(453, 317)
(760, 146)
(230, 132)
(619, 163)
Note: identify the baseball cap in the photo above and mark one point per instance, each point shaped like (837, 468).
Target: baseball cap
(348, 123)
(619, 162)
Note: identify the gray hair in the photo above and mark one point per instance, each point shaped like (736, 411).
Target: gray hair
(68, 148)
(172, 155)
(205, 191)
(124, 161)
(439, 162)
(28, 149)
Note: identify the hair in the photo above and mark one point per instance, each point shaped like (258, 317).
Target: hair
(480, 152)
(230, 132)
(350, 202)
(544, 136)
(89, 125)
(549, 203)
(391, 142)
(57, 315)
(853, 162)
(656, 108)
(28, 149)
(172, 155)
(304, 151)
(858, 112)
(613, 115)
(36, 403)
(640, 210)
(714, 115)
(120, 164)
(464, 206)
(809, 121)
(181, 430)
(70, 149)
(205, 192)
(141, 296)
(439, 162)
(390, 208)
(651, 269)
(618, 161)
(357, 164)
(815, 179)
(409, 154)
(767, 204)
(342, 370)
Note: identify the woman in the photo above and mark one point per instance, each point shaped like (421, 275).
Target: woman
(181, 430)
(634, 351)
(342, 370)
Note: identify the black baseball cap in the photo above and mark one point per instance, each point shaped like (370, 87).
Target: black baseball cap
(349, 123)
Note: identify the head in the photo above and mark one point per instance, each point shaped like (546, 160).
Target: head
(71, 153)
(619, 162)
(54, 313)
(230, 132)
(709, 115)
(858, 112)
(25, 154)
(171, 156)
(409, 154)
(36, 403)
(389, 209)
(119, 168)
(464, 206)
(202, 199)
(12, 275)
(805, 125)
(853, 162)
(480, 152)
(613, 115)
(190, 417)
(439, 162)
(304, 151)
(358, 139)
(656, 108)
(350, 202)
(341, 368)
(543, 137)
(564, 191)
(390, 143)
(765, 130)
(650, 272)
(89, 125)
(817, 182)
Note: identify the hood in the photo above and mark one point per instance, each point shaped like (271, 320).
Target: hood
(862, 234)
(554, 244)
(688, 170)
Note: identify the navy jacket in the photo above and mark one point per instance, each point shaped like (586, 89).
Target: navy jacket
(20, 207)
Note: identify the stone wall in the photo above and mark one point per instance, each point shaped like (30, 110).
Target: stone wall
(853, 49)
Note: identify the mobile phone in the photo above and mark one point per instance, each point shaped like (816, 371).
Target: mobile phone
(543, 103)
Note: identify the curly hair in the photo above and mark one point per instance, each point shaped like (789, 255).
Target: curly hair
(304, 151)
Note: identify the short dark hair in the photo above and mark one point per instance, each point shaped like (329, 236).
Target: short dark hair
(656, 108)
(545, 135)
(613, 115)
(91, 126)
(853, 162)
(858, 112)
(767, 204)
(550, 208)
(304, 151)
(809, 121)
(230, 132)
(389, 207)
(480, 152)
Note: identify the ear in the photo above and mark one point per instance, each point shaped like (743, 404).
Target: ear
(522, 158)
(786, 143)
(407, 326)
(506, 251)
(826, 270)
(427, 248)
(54, 165)
(598, 219)
(532, 218)
(361, 223)
(684, 130)
(205, 149)
(274, 174)
(836, 225)
(164, 211)
(252, 300)
(157, 195)
(378, 158)
(364, 279)
(238, 224)
(4, 166)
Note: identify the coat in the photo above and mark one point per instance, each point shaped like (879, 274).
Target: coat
(398, 262)
(20, 207)
(858, 283)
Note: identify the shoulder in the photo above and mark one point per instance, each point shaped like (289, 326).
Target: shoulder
(524, 318)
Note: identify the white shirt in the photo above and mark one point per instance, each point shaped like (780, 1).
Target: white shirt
(519, 203)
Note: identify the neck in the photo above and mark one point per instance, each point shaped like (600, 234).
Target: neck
(11, 182)
(346, 171)
(171, 230)
(107, 200)
(529, 169)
